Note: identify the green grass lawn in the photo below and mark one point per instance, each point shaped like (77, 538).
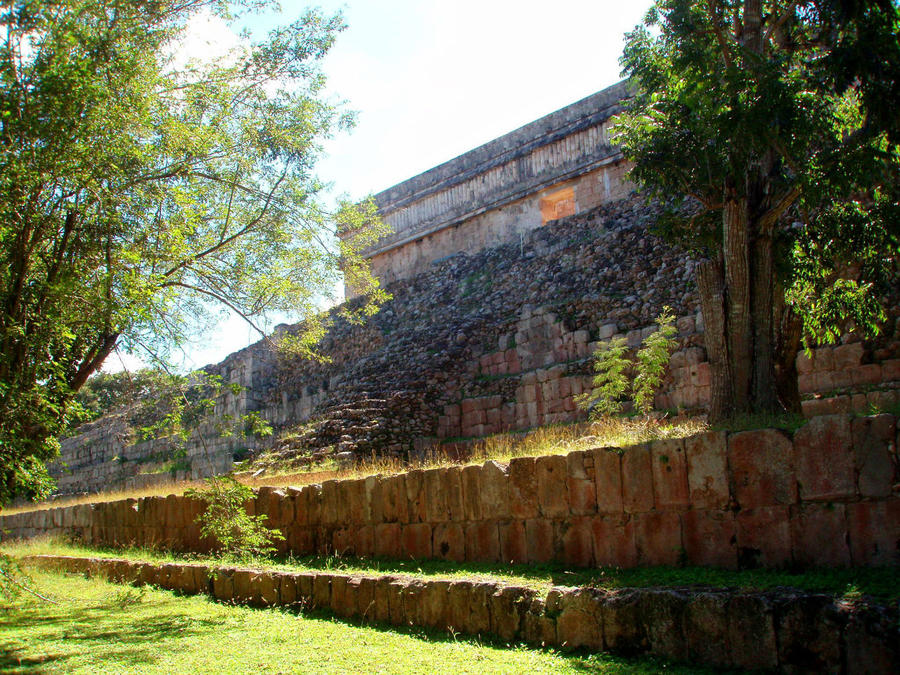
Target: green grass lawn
(99, 627)
(881, 583)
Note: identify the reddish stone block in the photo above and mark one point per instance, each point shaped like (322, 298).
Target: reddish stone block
(819, 535)
(762, 468)
(513, 542)
(613, 540)
(508, 607)
(396, 589)
(456, 508)
(416, 540)
(540, 540)
(471, 484)
(539, 628)
(478, 621)
(374, 499)
(874, 529)
(764, 537)
(493, 491)
(382, 609)
(670, 480)
(576, 535)
(872, 441)
(710, 538)
(551, 477)
(458, 599)
(330, 502)
(608, 480)
(523, 488)
(637, 479)
(364, 544)
(663, 613)
(483, 541)
(436, 508)
(436, 605)
(449, 542)
(657, 538)
(343, 541)
(387, 540)
(394, 505)
(264, 589)
(365, 598)
(823, 456)
(287, 589)
(415, 496)
(580, 484)
(357, 508)
(707, 470)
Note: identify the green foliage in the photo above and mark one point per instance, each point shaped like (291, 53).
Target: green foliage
(105, 392)
(611, 381)
(11, 578)
(770, 131)
(614, 369)
(142, 195)
(240, 535)
(651, 361)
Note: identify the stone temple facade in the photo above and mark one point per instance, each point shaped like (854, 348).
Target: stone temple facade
(560, 165)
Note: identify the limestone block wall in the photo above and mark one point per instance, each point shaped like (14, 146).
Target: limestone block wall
(561, 164)
(825, 496)
(789, 631)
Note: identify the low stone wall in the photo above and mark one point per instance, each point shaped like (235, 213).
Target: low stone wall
(790, 631)
(826, 496)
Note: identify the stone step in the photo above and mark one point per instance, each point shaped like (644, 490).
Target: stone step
(785, 629)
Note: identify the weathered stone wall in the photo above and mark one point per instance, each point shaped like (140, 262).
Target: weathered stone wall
(478, 344)
(826, 496)
(498, 191)
(787, 630)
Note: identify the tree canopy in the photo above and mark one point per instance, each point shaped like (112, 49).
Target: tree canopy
(771, 130)
(141, 192)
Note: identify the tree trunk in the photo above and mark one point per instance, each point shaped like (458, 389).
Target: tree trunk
(711, 288)
(786, 349)
(739, 329)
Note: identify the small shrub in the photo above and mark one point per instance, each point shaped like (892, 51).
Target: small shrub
(240, 535)
(614, 369)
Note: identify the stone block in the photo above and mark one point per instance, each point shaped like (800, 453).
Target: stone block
(613, 540)
(508, 607)
(706, 628)
(580, 485)
(435, 605)
(396, 605)
(222, 582)
(415, 495)
(873, 438)
(364, 541)
(436, 508)
(449, 542)
(637, 479)
(540, 540)
(762, 468)
(330, 502)
(608, 480)
(657, 538)
(483, 541)
(710, 538)
(264, 589)
(751, 632)
(394, 505)
(365, 594)
(823, 456)
(551, 477)
(478, 621)
(874, 529)
(670, 476)
(807, 628)
(576, 535)
(493, 491)
(456, 508)
(663, 614)
(321, 591)
(764, 537)
(458, 599)
(872, 642)
(580, 621)
(287, 589)
(819, 535)
(416, 541)
(539, 628)
(623, 627)
(523, 488)
(513, 542)
(471, 484)
(374, 499)
(707, 470)
(382, 599)
(387, 540)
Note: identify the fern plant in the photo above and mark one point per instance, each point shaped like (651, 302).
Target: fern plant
(651, 361)
(610, 382)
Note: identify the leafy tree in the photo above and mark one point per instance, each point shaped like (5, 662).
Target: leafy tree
(771, 128)
(140, 195)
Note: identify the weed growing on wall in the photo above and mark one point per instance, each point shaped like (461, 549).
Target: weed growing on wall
(614, 369)
(240, 535)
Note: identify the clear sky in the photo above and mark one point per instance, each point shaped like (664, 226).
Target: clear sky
(431, 80)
